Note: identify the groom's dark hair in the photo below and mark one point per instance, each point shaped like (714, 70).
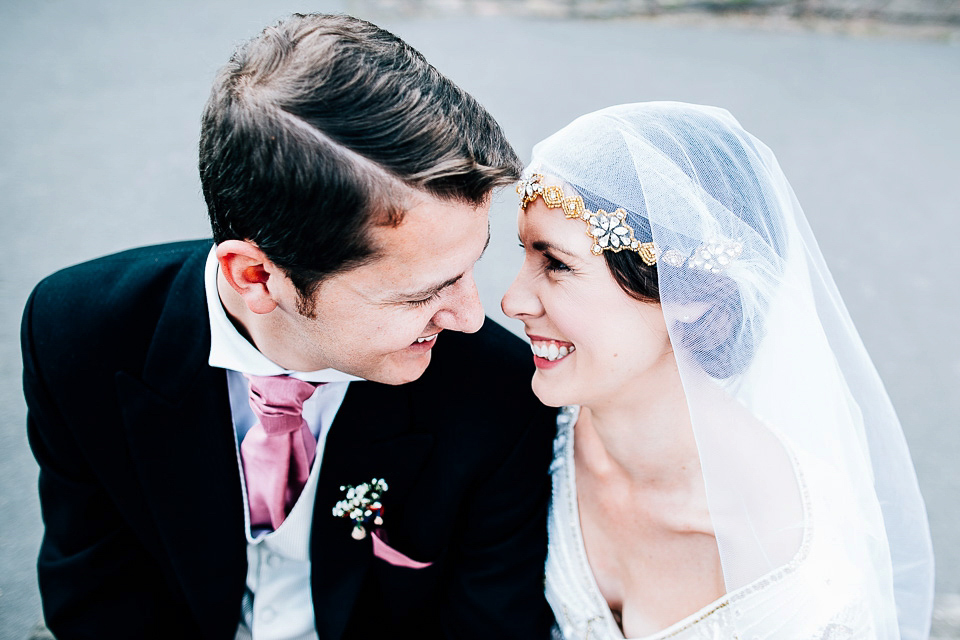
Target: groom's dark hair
(324, 125)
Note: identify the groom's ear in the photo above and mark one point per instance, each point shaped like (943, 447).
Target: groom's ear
(248, 271)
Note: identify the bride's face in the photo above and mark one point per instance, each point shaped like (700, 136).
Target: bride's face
(570, 304)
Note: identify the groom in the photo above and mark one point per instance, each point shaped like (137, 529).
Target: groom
(198, 411)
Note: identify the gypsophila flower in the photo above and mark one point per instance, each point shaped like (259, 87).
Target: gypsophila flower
(362, 505)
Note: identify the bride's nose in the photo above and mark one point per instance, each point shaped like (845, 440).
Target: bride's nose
(520, 300)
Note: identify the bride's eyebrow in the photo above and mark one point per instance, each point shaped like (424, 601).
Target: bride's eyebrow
(543, 246)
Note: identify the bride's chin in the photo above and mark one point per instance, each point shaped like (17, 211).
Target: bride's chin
(547, 393)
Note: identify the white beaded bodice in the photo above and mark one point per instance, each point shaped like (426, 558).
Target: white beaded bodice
(807, 598)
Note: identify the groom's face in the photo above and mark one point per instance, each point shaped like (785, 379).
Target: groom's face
(380, 321)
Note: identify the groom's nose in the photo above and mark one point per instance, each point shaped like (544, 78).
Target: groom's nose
(463, 310)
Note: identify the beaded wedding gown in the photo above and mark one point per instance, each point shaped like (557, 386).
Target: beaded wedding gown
(810, 597)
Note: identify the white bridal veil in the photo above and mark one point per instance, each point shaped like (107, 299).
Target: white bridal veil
(802, 453)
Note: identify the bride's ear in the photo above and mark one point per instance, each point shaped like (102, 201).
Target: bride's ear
(248, 271)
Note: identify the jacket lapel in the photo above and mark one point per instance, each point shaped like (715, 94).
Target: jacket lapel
(180, 434)
(371, 437)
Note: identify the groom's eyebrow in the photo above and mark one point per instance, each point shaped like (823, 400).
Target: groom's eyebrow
(436, 288)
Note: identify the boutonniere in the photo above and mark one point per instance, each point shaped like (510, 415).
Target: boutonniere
(362, 505)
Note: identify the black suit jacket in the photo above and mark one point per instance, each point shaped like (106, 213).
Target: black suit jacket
(139, 480)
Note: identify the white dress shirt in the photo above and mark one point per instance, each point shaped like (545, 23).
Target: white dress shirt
(277, 602)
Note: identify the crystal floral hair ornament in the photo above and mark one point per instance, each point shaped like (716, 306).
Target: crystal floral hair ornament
(610, 231)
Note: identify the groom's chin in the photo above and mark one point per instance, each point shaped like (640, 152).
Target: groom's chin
(403, 369)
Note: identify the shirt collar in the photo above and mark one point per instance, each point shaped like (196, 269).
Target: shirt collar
(230, 350)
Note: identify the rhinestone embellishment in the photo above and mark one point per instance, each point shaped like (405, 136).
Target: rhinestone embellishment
(715, 255)
(610, 232)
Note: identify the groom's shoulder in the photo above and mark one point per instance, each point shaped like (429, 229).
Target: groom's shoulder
(476, 400)
(105, 299)
(127, 267)
(110, 279)
(491, 364)
(493, 346)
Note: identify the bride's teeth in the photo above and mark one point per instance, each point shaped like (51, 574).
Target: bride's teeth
(428, 338)
(550, 351)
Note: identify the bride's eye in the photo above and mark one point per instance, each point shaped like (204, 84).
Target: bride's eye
(555, 265)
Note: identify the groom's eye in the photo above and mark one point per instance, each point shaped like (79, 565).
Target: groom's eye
(422, 302)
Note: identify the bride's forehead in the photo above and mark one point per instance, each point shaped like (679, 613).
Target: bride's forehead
(537, 217)
(539, 224)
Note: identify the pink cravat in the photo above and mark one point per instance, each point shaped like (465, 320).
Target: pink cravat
(278, 451)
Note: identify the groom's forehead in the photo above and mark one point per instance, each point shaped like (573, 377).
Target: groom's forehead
(431, 249)
(431, 230)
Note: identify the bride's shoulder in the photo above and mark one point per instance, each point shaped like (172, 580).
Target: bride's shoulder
(782, 491)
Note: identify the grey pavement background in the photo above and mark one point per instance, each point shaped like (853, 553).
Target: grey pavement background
(904, 12)
(100, 113)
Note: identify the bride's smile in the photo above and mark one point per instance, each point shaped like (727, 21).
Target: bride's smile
(547, 351)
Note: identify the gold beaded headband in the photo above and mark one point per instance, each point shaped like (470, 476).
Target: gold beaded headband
(610, 232)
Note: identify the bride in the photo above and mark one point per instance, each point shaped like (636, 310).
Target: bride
(727, 462)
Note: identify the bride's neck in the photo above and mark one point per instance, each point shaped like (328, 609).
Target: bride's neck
(645, 436)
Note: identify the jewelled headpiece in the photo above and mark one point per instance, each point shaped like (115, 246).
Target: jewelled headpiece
(610, 231)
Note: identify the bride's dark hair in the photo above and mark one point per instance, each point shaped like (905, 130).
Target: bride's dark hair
(716, 338)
